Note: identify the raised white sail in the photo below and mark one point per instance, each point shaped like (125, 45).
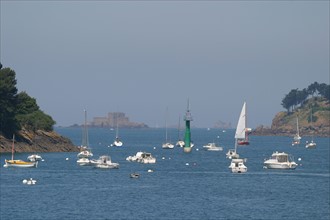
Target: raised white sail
(241, 125)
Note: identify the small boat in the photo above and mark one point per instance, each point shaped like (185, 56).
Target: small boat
(280, 161)
(104, 162)
(18, 163)
(237, 166)
(180, 143)
(29, 181)
(312, 144)
(167, 144)
(296, 138)
(117, 142)
(134, 175)
(85, 151)
(146, 158)
(34, 157)
(83, 161)
(212, 147)
(136, 157)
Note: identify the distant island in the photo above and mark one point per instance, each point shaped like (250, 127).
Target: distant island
(114, 119)
(21, 115)
(311, 106)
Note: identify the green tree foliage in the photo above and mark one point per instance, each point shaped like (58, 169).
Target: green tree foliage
(19, 110)
(297, 97)
(8, 91)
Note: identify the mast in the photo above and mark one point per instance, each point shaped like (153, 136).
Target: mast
(85, 132)
(187, 136)
(12, 148)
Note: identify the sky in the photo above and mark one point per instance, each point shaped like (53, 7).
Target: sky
(147, 58)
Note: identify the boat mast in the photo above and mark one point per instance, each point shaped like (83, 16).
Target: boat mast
(12, 148)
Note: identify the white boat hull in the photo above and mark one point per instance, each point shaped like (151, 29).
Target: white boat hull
(288, 166)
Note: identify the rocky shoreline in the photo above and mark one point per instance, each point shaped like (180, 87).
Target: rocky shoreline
(267, 131)
(38, 141)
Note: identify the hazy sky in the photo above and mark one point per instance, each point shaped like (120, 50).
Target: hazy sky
(141, 57)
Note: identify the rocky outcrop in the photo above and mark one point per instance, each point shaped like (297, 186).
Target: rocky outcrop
(39, 141)
(285, 124)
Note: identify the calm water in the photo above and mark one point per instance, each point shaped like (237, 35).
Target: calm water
(204, 189)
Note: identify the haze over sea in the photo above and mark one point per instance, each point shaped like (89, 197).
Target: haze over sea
(197, 185)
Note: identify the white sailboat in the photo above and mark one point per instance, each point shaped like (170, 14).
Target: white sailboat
(244, 137)
(312, 144)
(180, 142)
(117, 142)
(85, 151)
(167, 144)
(239, 134)
(296, 138)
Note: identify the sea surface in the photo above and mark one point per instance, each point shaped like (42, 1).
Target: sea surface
(196, 185)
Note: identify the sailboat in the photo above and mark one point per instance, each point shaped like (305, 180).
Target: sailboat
(244, 138)
(117, 142)
(239, 134)
(296, 138)
(85, 151)
(312, 144)
(167, 144)
(18, 163)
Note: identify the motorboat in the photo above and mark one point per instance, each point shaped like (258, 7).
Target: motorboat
(84, 161)
(136, 157)
(280, 161)
(237, 166)
(232, 154)
(18, 163)
(29, 181)
(134, 175)
(104, 161)
(85, 153)
(310, 145)
(180, 143)
(146, 158)
(167, 145)
(34, 157)
(212, 147)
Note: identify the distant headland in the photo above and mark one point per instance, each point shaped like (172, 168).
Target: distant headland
(114, 119)
(312, 113)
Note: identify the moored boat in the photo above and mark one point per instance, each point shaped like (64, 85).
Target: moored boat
(280, 161)
(238, 166)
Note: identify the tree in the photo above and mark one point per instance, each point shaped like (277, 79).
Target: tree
(8, 91)
(324, 90)
(312, 88)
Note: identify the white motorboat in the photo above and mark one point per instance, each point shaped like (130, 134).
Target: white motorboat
(104, 161)
(83, 161)
(167, 145)
(310, 145)
(180, 143)
(85, 154)
(136, 157)
(29, 181)
(146, 158)
(237, 166)
(117, 142)
(34, 157)
(212, 147)
(280, 161)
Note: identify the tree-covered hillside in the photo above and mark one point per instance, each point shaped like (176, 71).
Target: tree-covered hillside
(19, 110)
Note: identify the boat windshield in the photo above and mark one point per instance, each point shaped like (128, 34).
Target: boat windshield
(282, 158)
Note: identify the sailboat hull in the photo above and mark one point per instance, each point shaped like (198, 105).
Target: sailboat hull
(20, 163)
